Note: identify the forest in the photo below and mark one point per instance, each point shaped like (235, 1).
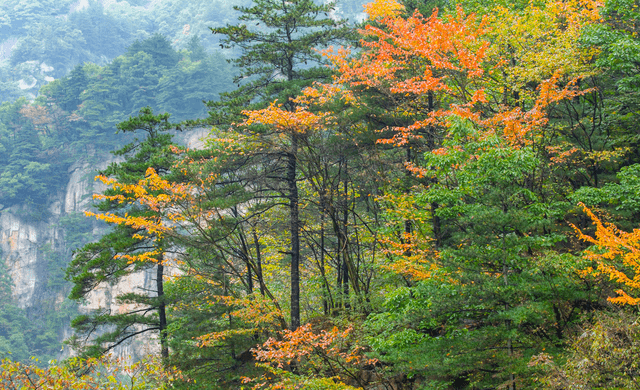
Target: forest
(444, 195)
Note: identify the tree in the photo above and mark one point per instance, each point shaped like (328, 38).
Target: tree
(159, 48)
(124, 86)
(219, 261)
(278, 59)
(28, 173)
(479, 307)
(485, 162)
(66, 91)
(12, 322)
(54, 43)
(325, 359)
(198, 77)
(602, 355)
(129, 247)
(617, 255)
(104, 34)
(278, 55)
(21, 15)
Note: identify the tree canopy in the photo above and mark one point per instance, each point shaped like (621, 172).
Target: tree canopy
(445, 197)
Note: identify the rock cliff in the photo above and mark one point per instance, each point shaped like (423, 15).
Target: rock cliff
(37, 244)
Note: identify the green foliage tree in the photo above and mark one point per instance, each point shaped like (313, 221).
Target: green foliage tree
(602, 355)
(9, 86)
(113, 256)
(54, 43)
(25, 332)
(105, 35)
(487, 306)
(12, 321)
(279, 57)
(19, 16)
(27, 173)
(65, 92)
(159, 48)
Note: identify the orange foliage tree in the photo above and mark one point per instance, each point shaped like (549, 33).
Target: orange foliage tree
(291, 125)
(432, 69)
(617, 255)
(326, 359)
(136, 242)
(456, 65)
(199, 216)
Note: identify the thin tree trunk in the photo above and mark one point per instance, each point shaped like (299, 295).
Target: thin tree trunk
(256, 243)
(162, 311)
(245, 254)
(295, 233)
(325, 295)
(505, 271)
(436, 226)
(339, 273)
(344, 249)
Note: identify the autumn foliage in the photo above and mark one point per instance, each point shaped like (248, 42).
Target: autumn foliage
(617, 255)
(312, 353)
(428, 184)
(87, 374)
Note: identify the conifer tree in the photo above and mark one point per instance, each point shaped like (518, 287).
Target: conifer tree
(278, 42)
(126, 249)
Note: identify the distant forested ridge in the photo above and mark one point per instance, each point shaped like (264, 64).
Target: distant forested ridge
(70, 72)
(91, 67)
(78, 112)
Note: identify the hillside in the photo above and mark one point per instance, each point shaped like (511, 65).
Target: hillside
(444, 196)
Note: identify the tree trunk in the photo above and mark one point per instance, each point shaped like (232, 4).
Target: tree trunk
(162, 312)
(325, 295)
(345, 246)
(247, 259)
(256, 242)
(295, 233)
(436, 226)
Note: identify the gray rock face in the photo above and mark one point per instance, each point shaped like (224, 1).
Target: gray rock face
(19, 245)
(26, 242)
(25, 239)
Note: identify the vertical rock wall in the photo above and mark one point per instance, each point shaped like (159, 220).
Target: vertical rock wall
(26, 235)
(20, 243)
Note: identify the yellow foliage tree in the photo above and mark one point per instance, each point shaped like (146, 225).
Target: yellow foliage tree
(617, 256)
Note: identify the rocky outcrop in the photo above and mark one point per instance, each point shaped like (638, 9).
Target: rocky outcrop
(20, 243)
(31, 239)
(25, 231)
(28, 237)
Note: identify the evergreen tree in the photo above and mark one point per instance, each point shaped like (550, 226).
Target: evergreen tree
(110, 259)
(29, 174)
(104, 35)
(159, 48)
(279, 42)
(198, 77)
(65, 92)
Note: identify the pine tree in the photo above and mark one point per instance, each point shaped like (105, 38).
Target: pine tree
(117, 254)
(279, 42)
